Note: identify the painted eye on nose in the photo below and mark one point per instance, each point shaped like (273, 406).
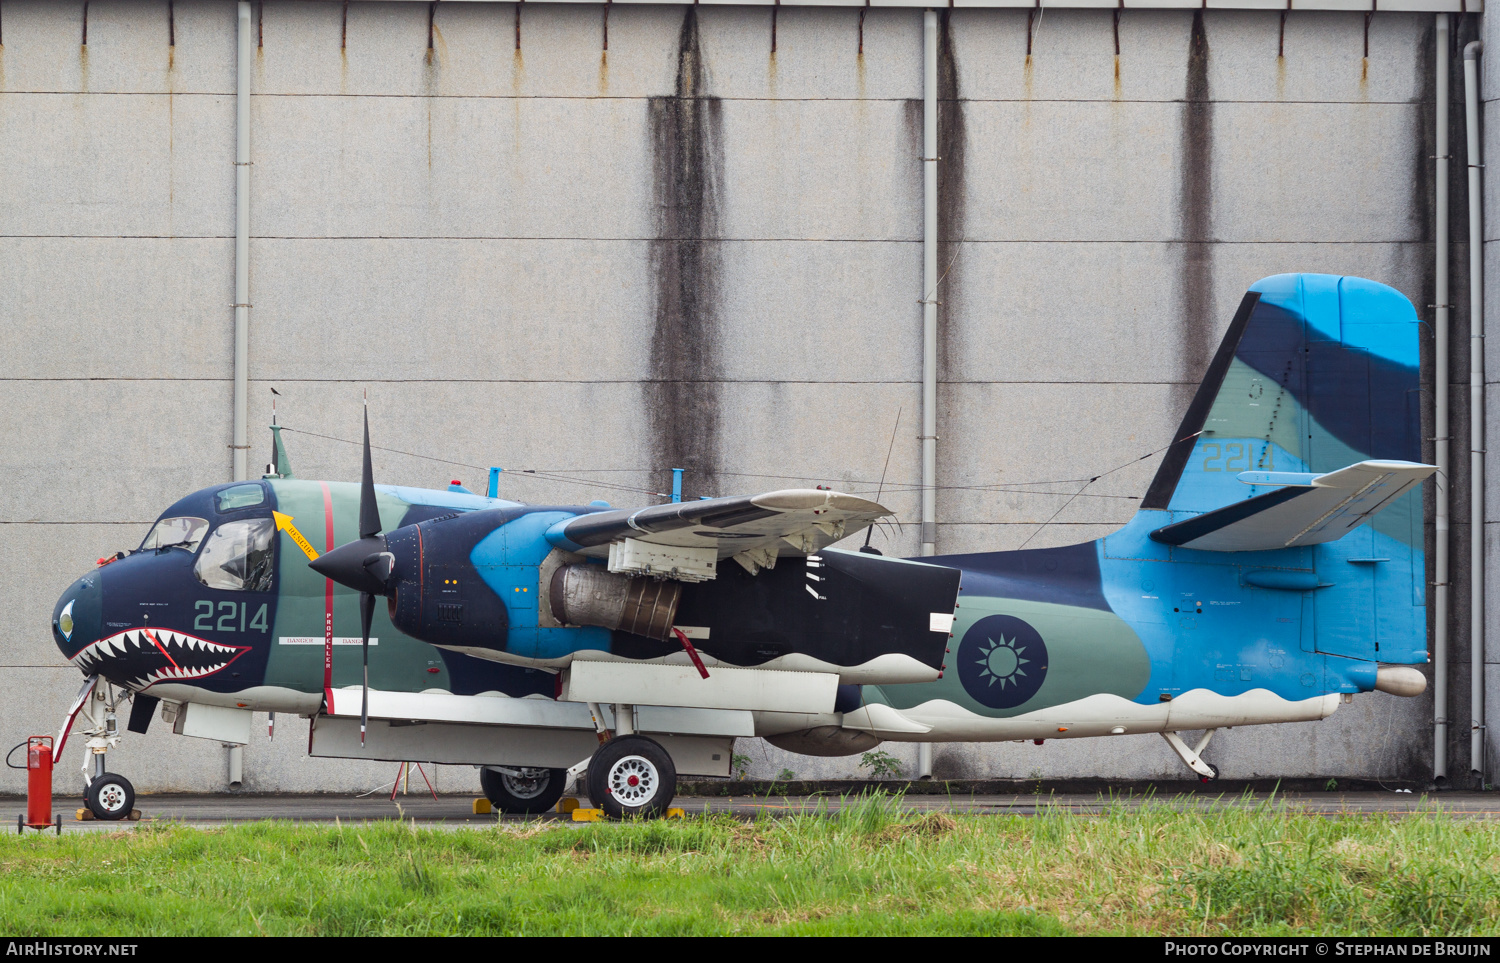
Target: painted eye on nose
(65, 622)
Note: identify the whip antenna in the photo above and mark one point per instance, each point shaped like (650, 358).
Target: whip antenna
(870, 529)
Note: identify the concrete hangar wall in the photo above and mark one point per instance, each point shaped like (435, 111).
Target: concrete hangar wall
(604, 241)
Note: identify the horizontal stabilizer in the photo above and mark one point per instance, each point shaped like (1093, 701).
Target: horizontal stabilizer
(1309, 510)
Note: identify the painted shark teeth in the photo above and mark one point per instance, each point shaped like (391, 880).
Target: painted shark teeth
(188, 656)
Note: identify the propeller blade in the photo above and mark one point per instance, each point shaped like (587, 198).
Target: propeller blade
(366, 615)
(369, 511)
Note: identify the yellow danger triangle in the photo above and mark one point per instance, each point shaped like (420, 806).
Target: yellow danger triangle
(284, 523)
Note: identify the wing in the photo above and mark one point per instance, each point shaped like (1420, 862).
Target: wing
(686, 540)
(1311, 509)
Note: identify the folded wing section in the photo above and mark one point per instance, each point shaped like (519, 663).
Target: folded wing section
(752, 529)
(1308, 510)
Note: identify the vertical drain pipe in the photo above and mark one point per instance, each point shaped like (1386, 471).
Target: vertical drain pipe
(1476, 412)
(929, 309)
(924, 750)
(244, 36)
(929, 279)
(1440, 421)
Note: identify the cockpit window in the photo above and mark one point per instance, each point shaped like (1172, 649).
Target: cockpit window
(238, 556)
(182, 532)
(241, 496)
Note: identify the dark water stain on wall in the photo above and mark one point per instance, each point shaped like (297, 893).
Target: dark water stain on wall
(952, 141)
(1195, 223)
(684, 393)
(1417, 277)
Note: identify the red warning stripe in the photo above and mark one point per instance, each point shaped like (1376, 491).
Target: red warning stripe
(328, 597)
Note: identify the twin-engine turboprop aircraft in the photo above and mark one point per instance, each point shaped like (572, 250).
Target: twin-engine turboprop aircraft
(1257, 584)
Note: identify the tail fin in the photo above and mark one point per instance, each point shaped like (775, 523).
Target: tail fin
(1316, 373)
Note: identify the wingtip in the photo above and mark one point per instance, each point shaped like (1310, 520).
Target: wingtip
(804, 499)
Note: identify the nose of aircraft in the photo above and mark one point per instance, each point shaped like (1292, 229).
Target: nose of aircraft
(77, 618)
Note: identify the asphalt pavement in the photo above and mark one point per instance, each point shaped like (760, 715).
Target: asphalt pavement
(457, 811)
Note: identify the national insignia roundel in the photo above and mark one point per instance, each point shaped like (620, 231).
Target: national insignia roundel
(1002, 661)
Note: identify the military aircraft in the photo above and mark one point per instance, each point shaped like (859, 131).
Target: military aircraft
(1275, 569)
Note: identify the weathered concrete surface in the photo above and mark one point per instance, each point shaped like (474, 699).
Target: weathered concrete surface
(477, 234)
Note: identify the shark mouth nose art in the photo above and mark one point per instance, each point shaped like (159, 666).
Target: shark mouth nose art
(148, 656)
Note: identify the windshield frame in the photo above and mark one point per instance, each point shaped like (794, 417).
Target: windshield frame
(190, 545)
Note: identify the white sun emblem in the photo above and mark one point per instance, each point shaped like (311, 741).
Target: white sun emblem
(1002, 662)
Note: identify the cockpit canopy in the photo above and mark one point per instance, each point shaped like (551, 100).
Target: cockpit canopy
(239, 557)
(237, 553)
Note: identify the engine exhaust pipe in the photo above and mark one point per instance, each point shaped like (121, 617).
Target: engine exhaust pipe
(589, 595)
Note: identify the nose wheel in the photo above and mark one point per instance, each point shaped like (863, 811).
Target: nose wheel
(110, 796)
(632, 776)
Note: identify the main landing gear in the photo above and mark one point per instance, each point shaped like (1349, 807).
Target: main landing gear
(632, 776)
(629, 774)
(522, 790)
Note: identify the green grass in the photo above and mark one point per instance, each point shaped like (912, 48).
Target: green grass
(873, 868)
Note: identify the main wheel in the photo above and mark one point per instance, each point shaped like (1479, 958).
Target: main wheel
(110, 797)
(531, 791)
(1214, 777)
(632, 776)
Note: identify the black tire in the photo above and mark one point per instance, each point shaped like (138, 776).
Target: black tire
(632, 776)
(110, 797)
(537, 791)
(1214, 777)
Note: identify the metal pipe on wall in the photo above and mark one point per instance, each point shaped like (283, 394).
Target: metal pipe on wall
(929, 308)
(929, 279)
(245, 38)
(1440, 421)
(1476, 411)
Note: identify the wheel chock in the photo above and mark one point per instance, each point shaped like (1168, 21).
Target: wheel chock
(581, 815)
(84, 815)
(675, 813)
(566, 805)
(482, 807)
(135, 816)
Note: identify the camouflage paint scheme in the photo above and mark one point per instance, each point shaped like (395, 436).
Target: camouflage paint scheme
(1316, 373)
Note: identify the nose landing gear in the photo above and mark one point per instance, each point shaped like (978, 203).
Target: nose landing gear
(107, 795)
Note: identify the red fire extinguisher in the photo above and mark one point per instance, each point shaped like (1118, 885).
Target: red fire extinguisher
(39, 787)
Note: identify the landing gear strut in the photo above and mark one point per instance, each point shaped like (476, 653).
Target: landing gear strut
(1207, 771)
